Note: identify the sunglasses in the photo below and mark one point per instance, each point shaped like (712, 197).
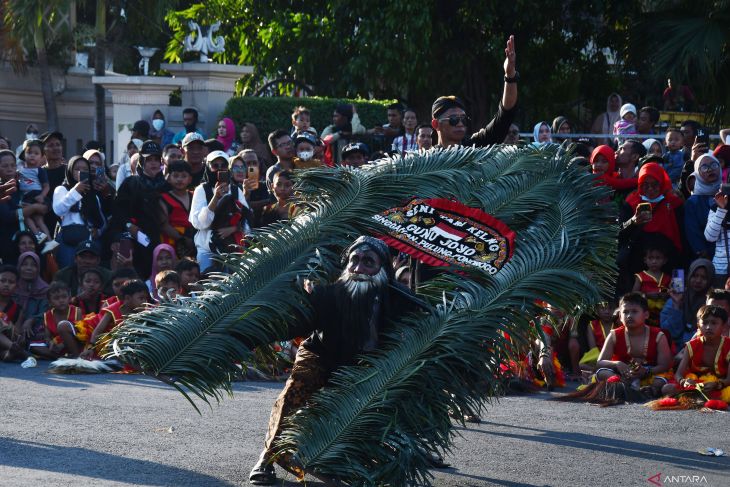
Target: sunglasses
(219, 166)
(455, 119)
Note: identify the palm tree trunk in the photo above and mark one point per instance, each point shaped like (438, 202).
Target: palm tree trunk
(99, 69)
(49, 99)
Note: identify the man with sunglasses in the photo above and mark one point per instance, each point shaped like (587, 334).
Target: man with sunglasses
(449, 117)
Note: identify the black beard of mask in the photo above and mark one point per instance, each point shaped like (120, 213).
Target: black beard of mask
(357, 295)
(191, 127)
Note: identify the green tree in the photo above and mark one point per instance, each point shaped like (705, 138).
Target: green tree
(419, 50)
(27, 20)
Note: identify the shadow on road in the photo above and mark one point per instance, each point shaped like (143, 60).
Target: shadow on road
(644, 451)
(97, 465)
(505, 483)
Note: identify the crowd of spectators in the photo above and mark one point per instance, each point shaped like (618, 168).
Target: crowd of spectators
(86, 240)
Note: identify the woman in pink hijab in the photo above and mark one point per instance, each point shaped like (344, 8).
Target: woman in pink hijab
(226, 133)
(164, 258)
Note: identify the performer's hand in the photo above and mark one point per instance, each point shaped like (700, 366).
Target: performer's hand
(545, 366)
(623, 369)
(510, 61)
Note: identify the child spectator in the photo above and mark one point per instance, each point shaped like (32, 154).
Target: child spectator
(90, 298)
(721, 298)
(300, 120)
(304, 144)
(163, 259)
(653, 147)
(717, 232)
(627, 125)
(282, 209)
(59, 321)
(189, 272)
(598, 330)
(177, 230)
(653, 282)
(679, 315)
(707, 358)
(133, 296)
(9, 315)
(635, 351)
(707, 181)
(674, 157)
(34, 187)
(168, 286)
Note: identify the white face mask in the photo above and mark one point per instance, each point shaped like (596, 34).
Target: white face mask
(31, 136)
(305, 155)
(158, 123)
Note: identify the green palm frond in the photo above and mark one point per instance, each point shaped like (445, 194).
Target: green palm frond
(402, 394)
(565, 246)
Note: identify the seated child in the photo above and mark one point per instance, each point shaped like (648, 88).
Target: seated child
(721, 298)
(34, 188)
(189, 272)
(177, 230)
(653, 283)
(9, 314)
(133, 296)
(598, 330)
(635, 352)
(168, 285)
(90, 299)
(164, 258)
(706, 357)
(63, 334)
(674, 157)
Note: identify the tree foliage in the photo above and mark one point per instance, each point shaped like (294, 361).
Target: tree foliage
(419, 50)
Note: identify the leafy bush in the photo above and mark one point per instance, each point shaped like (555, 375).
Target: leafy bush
(271, 113)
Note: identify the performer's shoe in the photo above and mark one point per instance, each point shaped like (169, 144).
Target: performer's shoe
(437, 461)
(262, 475)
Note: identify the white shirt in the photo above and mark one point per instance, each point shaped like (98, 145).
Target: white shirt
(202, 218)
(63, 200)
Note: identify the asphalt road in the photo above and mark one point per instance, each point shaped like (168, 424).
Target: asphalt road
(121, 430)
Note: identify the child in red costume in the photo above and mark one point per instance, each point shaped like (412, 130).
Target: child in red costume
(707, 358)
(134, 295)
(635, 351)
(596, 334)
(65, 336)
(177, 230)
(653, 283)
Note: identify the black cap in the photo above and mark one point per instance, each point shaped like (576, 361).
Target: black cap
(443, 103)
(45, 137)
(651, 158)
(88, 246)
(305, 137)
(150, 148)
(214, 145)
(355, 147)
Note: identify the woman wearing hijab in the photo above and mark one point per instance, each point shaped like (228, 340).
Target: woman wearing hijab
(164, 258)
(541, 134)
(679, 315)
(663, 223)
(708, 178)
(30, 294)
(79, 207)
(603, 124)
(207, 198)
(561, 125)
(250, 139)
(227, 135)
(158, 130)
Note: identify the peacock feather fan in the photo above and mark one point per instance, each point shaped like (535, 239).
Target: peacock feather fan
(375, 423)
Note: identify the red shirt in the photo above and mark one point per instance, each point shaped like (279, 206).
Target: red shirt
(622, 347)
(695, 351)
